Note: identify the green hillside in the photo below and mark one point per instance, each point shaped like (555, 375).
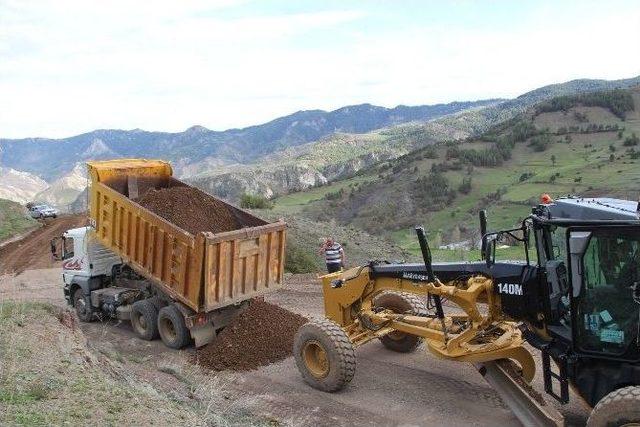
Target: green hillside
(13, 219)
(577, 144)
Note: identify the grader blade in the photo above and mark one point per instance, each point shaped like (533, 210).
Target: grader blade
(529, 410)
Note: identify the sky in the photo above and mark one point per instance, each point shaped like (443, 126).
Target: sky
(68, 67)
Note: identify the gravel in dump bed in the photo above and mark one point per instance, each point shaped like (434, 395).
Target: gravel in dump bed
(190, 209)
(261, 335)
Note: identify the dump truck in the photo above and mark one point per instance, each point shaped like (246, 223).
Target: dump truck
(575, 297)
(132, 264)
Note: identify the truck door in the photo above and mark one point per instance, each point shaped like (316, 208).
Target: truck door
(605, 281)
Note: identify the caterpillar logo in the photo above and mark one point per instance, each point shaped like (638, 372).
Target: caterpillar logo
(510, 288)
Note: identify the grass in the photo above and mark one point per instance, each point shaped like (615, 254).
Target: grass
(13, 219)
(294, 202)
(48, 376)
(582, 166)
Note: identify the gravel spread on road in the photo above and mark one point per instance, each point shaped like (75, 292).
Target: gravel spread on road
(261, 335)
(190, 209)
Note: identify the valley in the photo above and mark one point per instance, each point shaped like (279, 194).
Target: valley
(585, 150)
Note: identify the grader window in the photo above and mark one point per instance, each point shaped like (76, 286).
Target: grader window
(607, 312)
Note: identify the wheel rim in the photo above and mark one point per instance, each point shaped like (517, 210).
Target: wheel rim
(169, 331)
(140, 322)
(81, 306)
(315, 358)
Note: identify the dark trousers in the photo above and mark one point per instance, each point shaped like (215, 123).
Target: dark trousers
(332, 267)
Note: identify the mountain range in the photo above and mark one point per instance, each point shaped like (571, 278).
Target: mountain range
(52, 158)
(291, 153)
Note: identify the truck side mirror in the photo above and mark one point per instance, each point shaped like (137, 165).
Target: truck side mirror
(54, 249)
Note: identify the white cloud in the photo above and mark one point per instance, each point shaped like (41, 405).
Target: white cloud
(68, 67)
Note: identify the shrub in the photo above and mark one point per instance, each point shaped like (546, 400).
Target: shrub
(465, 187)
(334, 195)
(631, 141)
(541, 142)
(298, 260)
(255, 201)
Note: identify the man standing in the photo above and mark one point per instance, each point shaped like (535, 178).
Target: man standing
(333, 255)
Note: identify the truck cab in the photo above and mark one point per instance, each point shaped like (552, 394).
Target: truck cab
(86, 263)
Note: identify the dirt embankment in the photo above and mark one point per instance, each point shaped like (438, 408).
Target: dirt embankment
(190, 209)
(34, 250)
(261, 335)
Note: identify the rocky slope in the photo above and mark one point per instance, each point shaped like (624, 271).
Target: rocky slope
(18, 186)
(64, 190)
(342, 155)
(53, 158)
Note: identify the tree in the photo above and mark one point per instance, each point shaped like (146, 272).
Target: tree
(465, 187)
(612, 148)
(631, 141)
(611, 157)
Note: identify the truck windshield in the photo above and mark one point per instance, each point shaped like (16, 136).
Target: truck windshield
(607, 314)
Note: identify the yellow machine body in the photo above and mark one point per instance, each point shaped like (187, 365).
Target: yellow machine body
(473, 334)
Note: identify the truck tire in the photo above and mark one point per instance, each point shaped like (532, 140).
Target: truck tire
(144, 319)
(618, 408)
(173, 331)
(324, 355)
(401, 303)
(82, 306)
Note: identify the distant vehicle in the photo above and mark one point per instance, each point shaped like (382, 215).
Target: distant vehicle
(42, 211)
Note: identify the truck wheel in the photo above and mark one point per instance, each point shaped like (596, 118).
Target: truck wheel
(401, 303)
(82, 306)
(173, 331)
(144, 319)
(324, 355)
(618, 408)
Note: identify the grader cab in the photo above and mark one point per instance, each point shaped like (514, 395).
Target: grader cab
(575, 296)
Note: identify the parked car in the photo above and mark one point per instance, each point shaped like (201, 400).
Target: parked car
(42, 211)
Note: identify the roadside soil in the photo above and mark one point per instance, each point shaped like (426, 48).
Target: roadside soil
(388, 388)
(33, 251)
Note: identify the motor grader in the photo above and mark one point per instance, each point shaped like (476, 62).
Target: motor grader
(575, 297)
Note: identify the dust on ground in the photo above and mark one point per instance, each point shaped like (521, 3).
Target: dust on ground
(190, 209)
(34, 251)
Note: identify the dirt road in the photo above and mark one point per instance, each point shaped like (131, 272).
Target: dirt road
(34, 251)
(388, 388)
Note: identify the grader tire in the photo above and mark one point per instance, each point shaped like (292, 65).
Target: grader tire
(618, 408)
(324, 355)
(401, 303)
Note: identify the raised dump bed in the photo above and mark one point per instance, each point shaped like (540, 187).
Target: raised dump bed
(200, 250)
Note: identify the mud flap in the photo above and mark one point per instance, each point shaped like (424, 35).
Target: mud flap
(526, 408)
